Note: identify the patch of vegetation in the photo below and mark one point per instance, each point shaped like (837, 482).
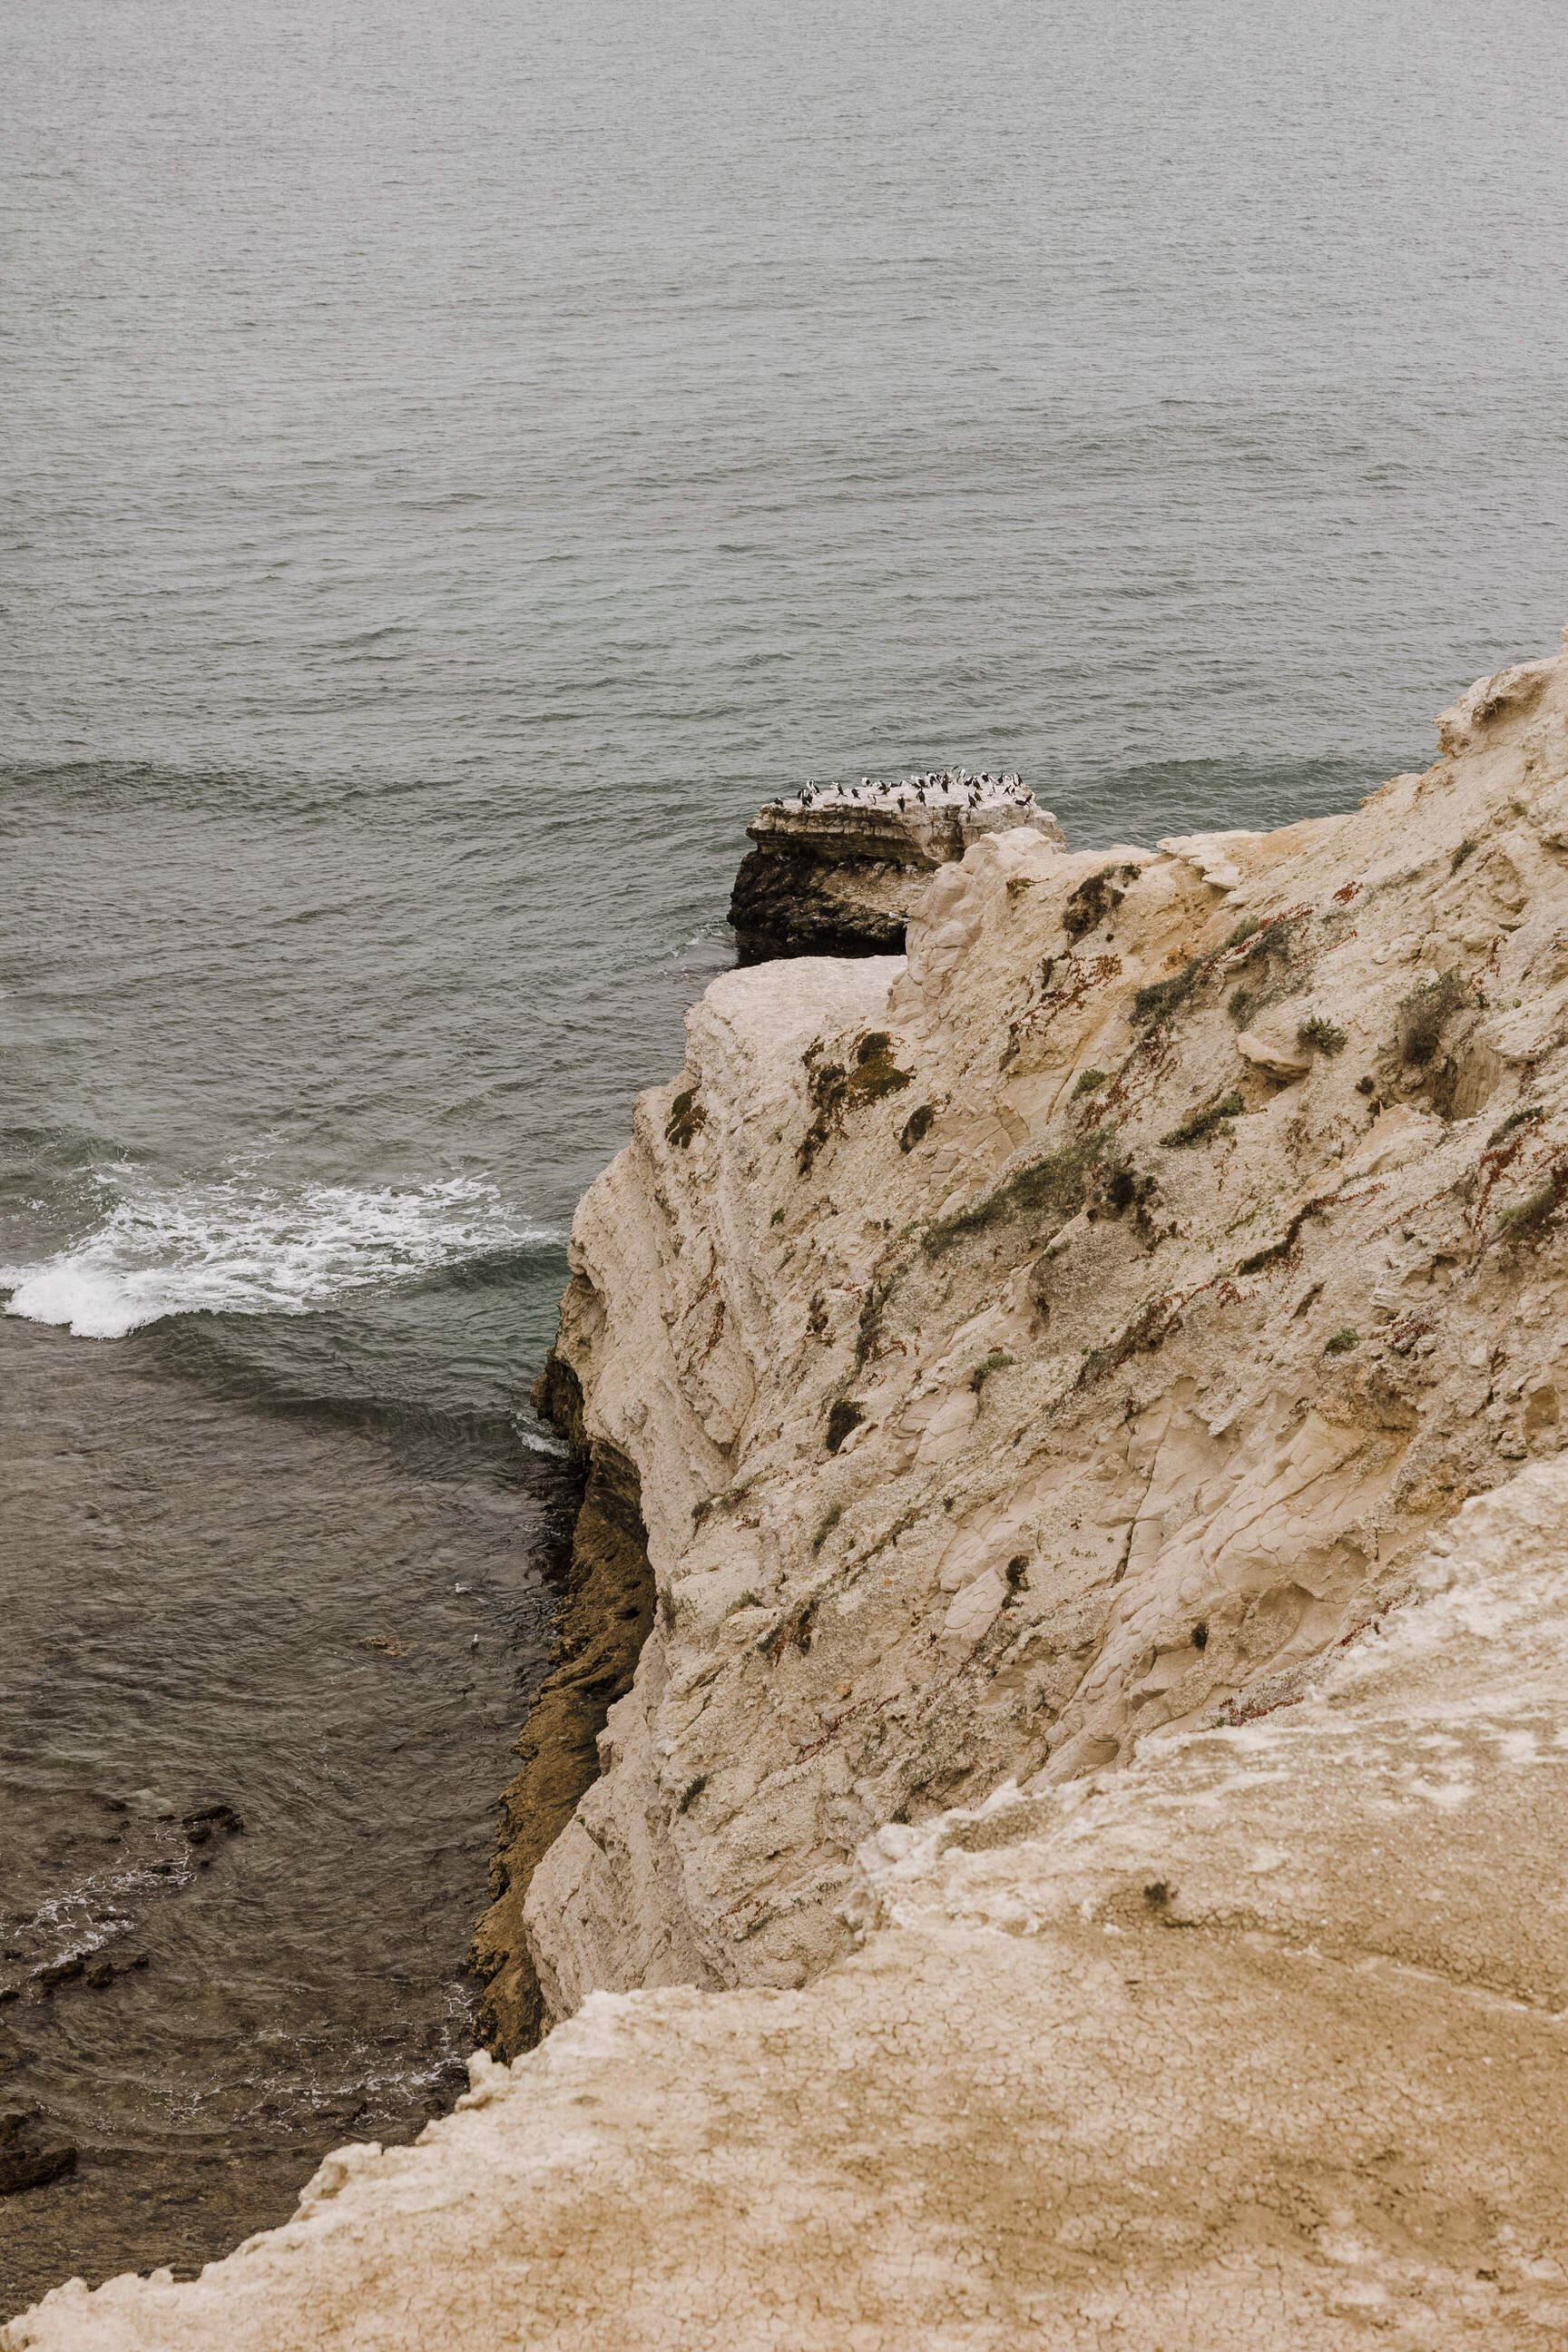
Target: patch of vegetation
(1515, 1119)
(1249, 927)
(686, 1116)
(876, 1073)
(1466, 848)
(996, 1361)
(748, 1600)
(1342, 1342)
(1144, 1334)
(1202, 1124)
(1278, 1252)
(835, 1090)
(1528, 1223)
(1272, 942)
(843, 1416)
(1050, 1187)
(795, 1632)
(1422, 1015)
(1160, 998)
(917, 1127)
(826, 1528)
(1096, 898)
(694, 1790)
(1323, 1036)
(1090, 1082)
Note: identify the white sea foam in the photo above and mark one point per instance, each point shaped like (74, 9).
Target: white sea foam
(236, 1247)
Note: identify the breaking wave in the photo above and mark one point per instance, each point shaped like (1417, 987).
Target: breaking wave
(233, 1247)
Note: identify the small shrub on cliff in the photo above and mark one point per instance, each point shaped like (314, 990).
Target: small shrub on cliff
(874, 1073)
(1516, 1119)
(686, 1116)
(1090, 1082)
(1160, 998)
(1202, 1124)
(1272, 942)
(996, 1361)
(1051, 1187)
(1274, 939)
(827, 1526)
(1466, 848)
(1323, 1036)
(1100, 896)
(1422, 1015)
(1342, 1343)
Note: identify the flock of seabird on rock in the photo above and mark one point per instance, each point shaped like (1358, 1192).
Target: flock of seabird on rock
(950, 788)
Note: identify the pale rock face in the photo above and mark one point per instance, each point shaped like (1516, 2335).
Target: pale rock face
(1102, 1737)
(1164, 1271)
(1255, 2045)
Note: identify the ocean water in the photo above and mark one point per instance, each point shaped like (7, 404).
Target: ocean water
(459, 461)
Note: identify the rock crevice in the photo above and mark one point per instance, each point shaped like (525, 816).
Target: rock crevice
(607, 1611)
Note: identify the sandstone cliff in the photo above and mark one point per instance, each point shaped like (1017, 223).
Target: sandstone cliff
(1072, 1330)
(1102, 1733)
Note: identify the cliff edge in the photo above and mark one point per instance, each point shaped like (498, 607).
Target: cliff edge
(1071, 1331)
(1257, 2045)
(1081, 1858)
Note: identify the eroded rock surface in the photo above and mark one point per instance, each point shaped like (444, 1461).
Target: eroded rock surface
(1255, 2046)
(1081, 1861)
(1072, 1330)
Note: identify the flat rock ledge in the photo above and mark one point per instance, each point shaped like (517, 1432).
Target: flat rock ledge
(1259, 2043)
(832, 875)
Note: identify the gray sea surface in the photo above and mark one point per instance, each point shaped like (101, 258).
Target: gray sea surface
(458, 461)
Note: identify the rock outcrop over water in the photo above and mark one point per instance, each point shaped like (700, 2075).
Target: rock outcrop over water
(1256, 2046)
(839, 870)
(1080, 1861)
